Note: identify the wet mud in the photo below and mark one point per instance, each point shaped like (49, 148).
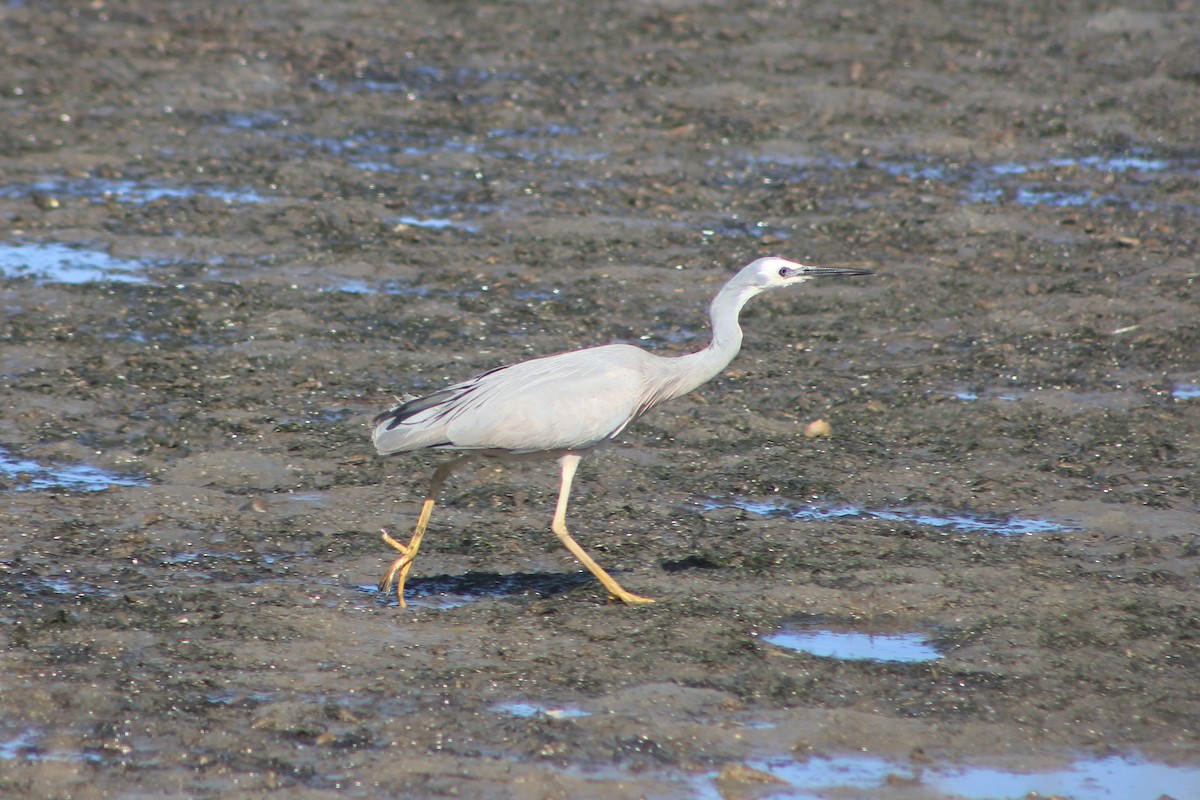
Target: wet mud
(232, 234)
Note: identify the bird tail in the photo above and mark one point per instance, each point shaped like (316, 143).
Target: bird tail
(405, 428)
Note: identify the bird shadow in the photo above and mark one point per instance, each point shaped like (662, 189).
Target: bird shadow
(690, 562)
(474, 585)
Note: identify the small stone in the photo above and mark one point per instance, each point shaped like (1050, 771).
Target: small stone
(818, 427)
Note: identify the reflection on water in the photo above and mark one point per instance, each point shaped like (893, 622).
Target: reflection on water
(971, 396)
(127, 191)
(1111, 778)
(1043, 182)
(1130, 178)
(529, 710)
(437, 223)
(60, 586)
(855, 645)
(52, 262)
(1186, 391)
(960, 522)
(452, 591)
(26, 475)
(26, 745)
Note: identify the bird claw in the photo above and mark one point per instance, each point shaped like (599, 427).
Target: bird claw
(397, 568)
(629, 598)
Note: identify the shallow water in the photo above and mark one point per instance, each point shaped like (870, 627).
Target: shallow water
(52, 262)
(61, 586)
(530, 710)
(959, 522)
(1051, 182)
(968, 396)
(452, 591)
(1111, 778)
(128, 191)
(29, 475)
(26, 745)
(1186, 391)
(1129, 178)
(437, 223)
(855, 645)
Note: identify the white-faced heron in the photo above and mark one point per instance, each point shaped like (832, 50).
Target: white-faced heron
(563, 406)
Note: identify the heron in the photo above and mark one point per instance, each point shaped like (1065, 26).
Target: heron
(564, 406)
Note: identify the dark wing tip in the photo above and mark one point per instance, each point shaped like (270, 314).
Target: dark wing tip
(393, 415)
(443, 397)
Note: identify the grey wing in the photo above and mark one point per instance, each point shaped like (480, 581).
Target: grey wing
(569, 401)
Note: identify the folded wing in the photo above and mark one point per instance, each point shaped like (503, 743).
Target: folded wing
(570, 401)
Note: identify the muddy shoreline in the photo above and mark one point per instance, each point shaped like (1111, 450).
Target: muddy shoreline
(231, 236)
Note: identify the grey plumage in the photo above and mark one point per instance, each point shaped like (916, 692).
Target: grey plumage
(561, 406)
(569, 401)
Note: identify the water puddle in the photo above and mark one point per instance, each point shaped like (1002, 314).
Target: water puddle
(437, 223)
(411, 153)
(423, 154)
(59, 263)
(1186, 391)
(26, 746)
(235, 699)
(973, 395)
(969, 523)
(438, 601)
(16, 746)
(1114, 398)
(530, 296)
(185, 558)
(255, 120)
(850, 645)
(1111, 778)
(127, 191)
(1051, 182)
(532, 710)
(59, 586)
(452, 591)
(1130, 179)
(392, 287)
(960, 523)
(26, 475)
(418, 81)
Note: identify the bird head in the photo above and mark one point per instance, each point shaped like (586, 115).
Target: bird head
(771, 272)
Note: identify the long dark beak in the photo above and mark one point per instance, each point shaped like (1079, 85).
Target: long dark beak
(821, 272)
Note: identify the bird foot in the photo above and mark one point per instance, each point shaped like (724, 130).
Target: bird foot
(629, 598)
(398, 568)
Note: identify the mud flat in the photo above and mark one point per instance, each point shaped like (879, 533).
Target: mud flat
(228, 236)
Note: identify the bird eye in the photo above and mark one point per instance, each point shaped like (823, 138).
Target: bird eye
(783, 272)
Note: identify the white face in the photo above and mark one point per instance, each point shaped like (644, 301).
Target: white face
(774, 271)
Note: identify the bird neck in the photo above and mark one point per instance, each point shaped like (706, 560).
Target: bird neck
(696, 368)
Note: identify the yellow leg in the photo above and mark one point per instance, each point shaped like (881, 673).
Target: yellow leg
(398, 572)
(570, 463)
